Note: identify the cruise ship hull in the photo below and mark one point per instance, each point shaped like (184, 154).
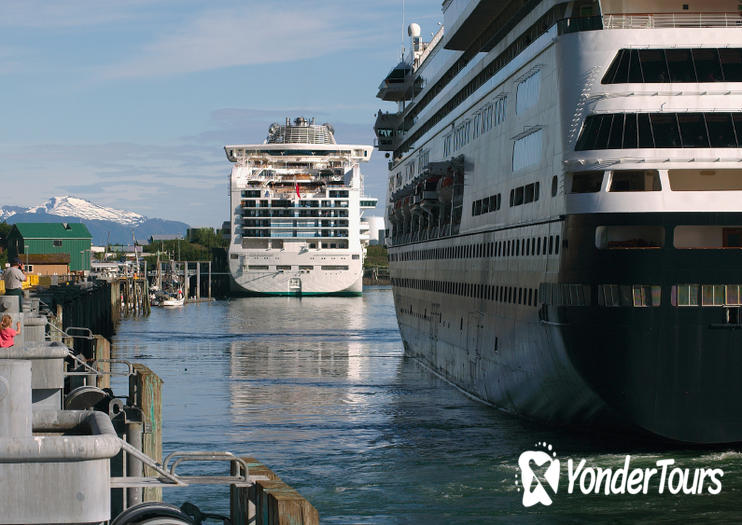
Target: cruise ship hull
(670, 371)
(346, 283)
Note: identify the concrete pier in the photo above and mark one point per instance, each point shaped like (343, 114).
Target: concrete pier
(15, 399)
(92, 465)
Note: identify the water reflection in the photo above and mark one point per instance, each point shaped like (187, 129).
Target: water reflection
(319, 389)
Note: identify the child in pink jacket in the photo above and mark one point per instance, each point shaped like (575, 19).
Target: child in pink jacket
(7, 334)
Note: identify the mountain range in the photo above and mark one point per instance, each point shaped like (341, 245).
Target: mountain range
(105, 224)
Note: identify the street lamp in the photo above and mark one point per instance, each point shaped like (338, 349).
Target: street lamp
(25, 249)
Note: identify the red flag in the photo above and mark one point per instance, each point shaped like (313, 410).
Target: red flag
(297, 190)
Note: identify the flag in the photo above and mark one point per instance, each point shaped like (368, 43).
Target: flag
(297, 190)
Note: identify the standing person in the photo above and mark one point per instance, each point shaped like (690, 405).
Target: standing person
(14, 279)
(7, 334)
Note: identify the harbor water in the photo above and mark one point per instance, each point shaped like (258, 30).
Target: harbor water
(320, 391)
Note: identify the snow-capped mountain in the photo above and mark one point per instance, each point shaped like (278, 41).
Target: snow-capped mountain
(76, 207)
(105, 224)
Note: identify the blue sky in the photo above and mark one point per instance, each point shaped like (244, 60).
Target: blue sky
(129, 104)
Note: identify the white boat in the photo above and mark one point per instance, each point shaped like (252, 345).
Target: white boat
(297, 202)
(565, 209)
(173, 302)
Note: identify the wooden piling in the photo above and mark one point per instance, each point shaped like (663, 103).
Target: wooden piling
(103, 352)
(269, 501)
(145, 392)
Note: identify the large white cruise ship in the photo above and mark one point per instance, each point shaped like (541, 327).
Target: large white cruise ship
(565, 209)
(296, 205)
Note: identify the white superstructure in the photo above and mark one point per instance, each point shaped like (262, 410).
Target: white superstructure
(296, 204)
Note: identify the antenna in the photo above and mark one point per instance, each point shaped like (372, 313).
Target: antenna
(402, 39)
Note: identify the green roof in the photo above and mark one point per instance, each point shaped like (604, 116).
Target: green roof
(53, 230)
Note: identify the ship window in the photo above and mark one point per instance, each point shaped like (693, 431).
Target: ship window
(708, 237)
(630, 137)
(708, 67)
(733, 296)
(589, 131)
(648, 180)
(629, 237)
(731, 62)
(306, 267)
(603, 133)
(609, 295)
(705, 180)
(618, 71)
(646, 138)
(675, 65)
(283, 267)
(527, 93)
(527, 150)
(643, 295)
(693, 130)
(680, 63)
(685, 295)
(654, 67)
(257, 267)
(665, 130)
(554, 185)
(635, 72)
(56, 243)
(721, 130)
(712, 295)
(587, 181)
(615, 139)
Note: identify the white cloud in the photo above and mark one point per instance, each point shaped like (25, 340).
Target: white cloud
(245, 36)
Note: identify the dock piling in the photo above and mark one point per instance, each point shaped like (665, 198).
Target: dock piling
(145, 392)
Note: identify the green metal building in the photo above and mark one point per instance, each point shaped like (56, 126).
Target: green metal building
(52, 237)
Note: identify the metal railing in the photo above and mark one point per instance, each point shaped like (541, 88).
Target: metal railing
(648, 21)
(671, 20)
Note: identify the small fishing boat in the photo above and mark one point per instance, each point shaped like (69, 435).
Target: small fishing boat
(173, 301)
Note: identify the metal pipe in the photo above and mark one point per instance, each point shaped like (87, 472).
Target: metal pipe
(134, 467)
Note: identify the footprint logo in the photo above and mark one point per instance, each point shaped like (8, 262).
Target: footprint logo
(537, 469)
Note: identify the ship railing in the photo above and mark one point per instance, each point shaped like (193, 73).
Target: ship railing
(649, 21)
(673, 20)
(434, 42)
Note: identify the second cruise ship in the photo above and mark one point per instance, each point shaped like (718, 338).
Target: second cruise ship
(296, 213)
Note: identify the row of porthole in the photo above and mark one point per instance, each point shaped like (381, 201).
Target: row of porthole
(532, 246)
(489, 292)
